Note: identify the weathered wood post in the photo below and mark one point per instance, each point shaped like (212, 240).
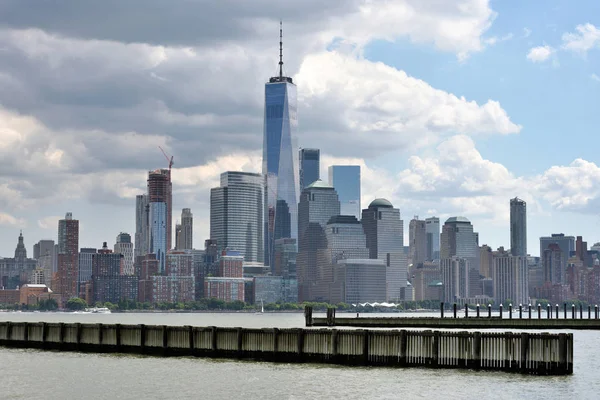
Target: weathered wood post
(442, 309)
(562, 352)
(300, 344)
(436, 349)
(61, 334)
(454, 310)
(308, 315)
(165, 339)
(530, 311)
(557, 311)
(191, 342)
(403, 346)
(489, 311)
(334, 344)
(510, 311)
(143, 338)
(466, 310)
(240, 342)
(573, 311)
(589, 311)
(45, 333)
(100, 334)
(476, 350)
(78, 337)
(8, 331)
(580, 311)
(565, 309)
(275, 343)
(501, 310)
(118, 336)
(520, 311)
(365, 352)
(477, 310)
(596, 311)
(524, 350)
(213, 340)
(548, 311)
(539, 311)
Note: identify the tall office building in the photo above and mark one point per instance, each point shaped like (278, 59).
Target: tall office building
(142, 232)
(159, 192)
(85, 265)
(417, 241)
(68, 257)
(310, 164)
(236, 214)
(432, 228)
(124, 246)
(458, 239)
(385, 240)
(177, 235)
(46, 248)
(280, 124)
(518, 227)
(318, 203)
(345, 179)
(187, 230)
(566, 245)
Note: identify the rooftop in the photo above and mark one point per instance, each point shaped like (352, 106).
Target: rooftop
(380, 203)
(457, 219)
(319, 184)
(343, 219)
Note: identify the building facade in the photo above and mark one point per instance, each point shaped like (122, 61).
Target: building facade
(160, 190)
(16, 271)
(385, 240)
(108, 283)
(432, 229)
(86, 263)
(187, 230)
(124, 246)
(310, 164)
(345, 179)
(68, 258)
(142, 225)
(417, 241)
(566, 244)
(518, 227)
(236, 214)
(455, 278)
(510, 278)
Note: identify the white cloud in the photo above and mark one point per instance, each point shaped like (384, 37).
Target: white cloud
(9, 220)
(595, 77)
(495, 39)
(526, 32)
(540, 53)
(586, 37)
(49, 222)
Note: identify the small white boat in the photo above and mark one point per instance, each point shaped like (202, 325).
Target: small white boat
(98, 310)
(262, 308)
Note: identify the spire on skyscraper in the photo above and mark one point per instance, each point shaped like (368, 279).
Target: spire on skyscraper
(280, 50)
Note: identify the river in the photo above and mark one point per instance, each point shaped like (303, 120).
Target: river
(33, 374)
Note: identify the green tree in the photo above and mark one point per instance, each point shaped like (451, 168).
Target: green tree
(48, 305)
(75, 304)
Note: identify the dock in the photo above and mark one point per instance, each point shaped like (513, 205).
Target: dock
(478, 319)
(539, 354)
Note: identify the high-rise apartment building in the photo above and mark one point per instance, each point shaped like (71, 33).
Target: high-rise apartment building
(108, 283)
(566, 244)
(318, 203)
(159, 215)
(85, 265)
(124, 246)
(310, 164)
(432, 228)
(68, 257)
(187, 230)
(236, 214)
(278, 169)
(417, 241)
(142, 227)
(486, 261)
(518, 227)
(455, 273)
(177, 235)
(385, 240)
(510, 278)
(345, 179)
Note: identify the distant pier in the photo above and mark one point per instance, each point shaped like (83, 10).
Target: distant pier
(521, 318)
(541, 354)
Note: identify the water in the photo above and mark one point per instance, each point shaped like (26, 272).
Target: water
(32, 374)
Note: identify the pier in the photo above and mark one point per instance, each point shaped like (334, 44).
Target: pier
(479, 319)
(541, 354)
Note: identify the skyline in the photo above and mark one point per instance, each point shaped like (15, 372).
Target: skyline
(129, 87)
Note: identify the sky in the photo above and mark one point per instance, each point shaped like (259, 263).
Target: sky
(449, 107)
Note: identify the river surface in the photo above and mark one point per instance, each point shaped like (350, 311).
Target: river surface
(34, 374)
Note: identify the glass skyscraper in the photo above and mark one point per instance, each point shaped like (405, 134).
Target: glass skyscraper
(158, 233)
(310, 160)
(518, 227)
(432, 228)
(346, 181)
(281, 199)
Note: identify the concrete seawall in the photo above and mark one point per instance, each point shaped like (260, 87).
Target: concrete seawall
(541, 354)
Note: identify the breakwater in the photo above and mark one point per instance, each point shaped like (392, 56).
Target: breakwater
(542, 354)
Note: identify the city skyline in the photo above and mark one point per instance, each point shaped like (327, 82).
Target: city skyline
(398, 157)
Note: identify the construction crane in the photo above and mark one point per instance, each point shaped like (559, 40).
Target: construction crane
(169, 160)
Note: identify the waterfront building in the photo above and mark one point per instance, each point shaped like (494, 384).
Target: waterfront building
(432, 228)
(86, 263)
(310, 164)
(518, 227)
(108, 283)
(557, 270)
(510, 278)
(142, 225)
(148, 269)
(67, 276)
(226, 289)
(455, 278)
(236, 214)
(278, 169)
(16, 271)
(385, 240)
(160, 190)
(427, 282)
(359, 281)
(124, 246)
(417, 241)
(318, 203)
(286, 252)
(345, 179)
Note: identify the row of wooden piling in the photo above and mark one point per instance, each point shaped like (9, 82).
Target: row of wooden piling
(549, 311)
(525, 353)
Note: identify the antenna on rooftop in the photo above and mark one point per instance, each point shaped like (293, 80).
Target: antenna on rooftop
(280, 50)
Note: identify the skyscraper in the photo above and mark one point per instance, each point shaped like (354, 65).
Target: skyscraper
(310, 164)
(187, 229)
(566, 245)
(458, 239)
(280, 123)
(510, 278)
(518, 227)
(345, 179)
(236, 214)
(385, 240)
(417, 241)
(68, 257)
(85, 266)
(318, 203)
(124, 246)
(432, 228)
(159, 191)
(142, 233)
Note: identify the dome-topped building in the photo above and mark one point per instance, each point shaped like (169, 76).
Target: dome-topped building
(378, 203)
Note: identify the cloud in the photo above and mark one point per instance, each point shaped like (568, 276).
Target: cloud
(50, 222)
(586, 37)
(9, 220)
(540, 53)
(595, 77)
(526, 32)
(495, 39)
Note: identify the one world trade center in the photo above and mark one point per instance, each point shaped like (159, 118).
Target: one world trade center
(281, 201)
